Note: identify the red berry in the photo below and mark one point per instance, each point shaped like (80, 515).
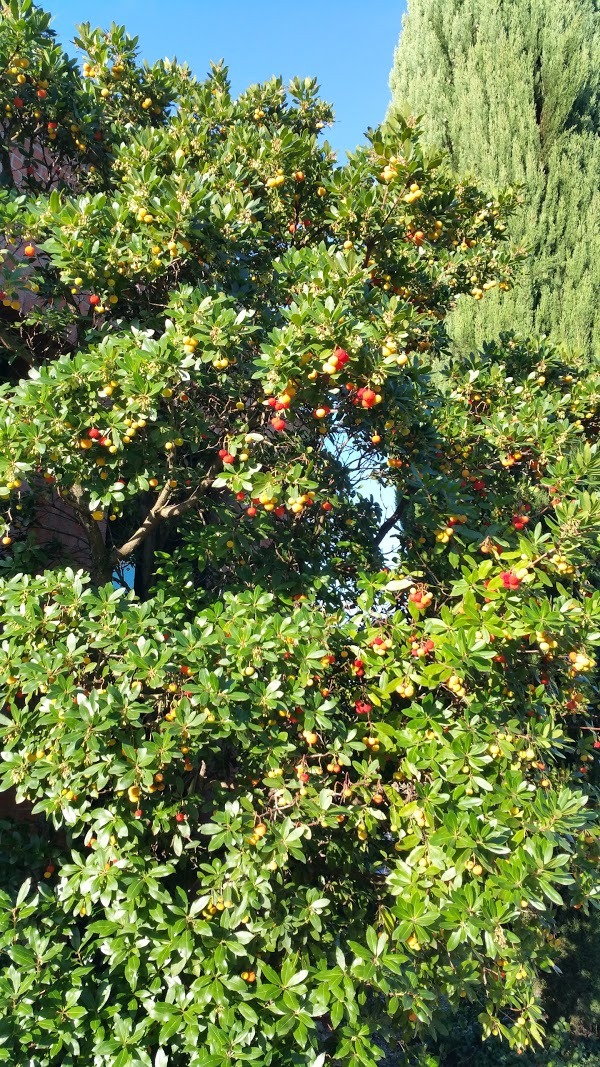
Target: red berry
(341, 356)
(94, 433)
(228, 458)
(367, 398)
(180, 817)
(251, 512)
(222, 452)
(280, 511)
(137, 813)
(94, 300)
(362, 708)
(510, 580)
(278, 424)
(18, 101)
(240, 496)
(326, 505)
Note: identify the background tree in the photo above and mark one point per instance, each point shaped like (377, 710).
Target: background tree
(290, 804)
(511, 91)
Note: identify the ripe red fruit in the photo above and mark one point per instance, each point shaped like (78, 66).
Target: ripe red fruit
(362, 708)
(341, 356)
(180, 817)
(94, 300)
(272, 402)
(368, 398)
(359, 667)
(520, 521)
(29, 251)
(97, 135)
(228, 458)
(278, 424)
(222, 452)
(326, 505)
(251, 512)
(94, 433)
(240, 496)
(52, 126)
(510, 580)
(18, 101)
(137, 813)
(479, 485)
(42, 94)
(279, 511)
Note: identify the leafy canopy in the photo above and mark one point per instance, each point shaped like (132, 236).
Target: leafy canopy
(293, 804)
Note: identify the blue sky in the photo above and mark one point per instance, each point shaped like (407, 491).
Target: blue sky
(347, 44)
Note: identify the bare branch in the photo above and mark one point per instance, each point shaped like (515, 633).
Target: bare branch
(153, 518)
(389, 524)
(160, 511)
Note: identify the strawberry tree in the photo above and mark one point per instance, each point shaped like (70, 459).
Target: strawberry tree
(292, 799)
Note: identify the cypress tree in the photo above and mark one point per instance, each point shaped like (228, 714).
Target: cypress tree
(511, 90)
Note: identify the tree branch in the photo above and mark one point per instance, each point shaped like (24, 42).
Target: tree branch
(389, 524)
(160, 511)
(153, 518)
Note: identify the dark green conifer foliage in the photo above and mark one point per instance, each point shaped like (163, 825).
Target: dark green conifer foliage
(511, 89)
